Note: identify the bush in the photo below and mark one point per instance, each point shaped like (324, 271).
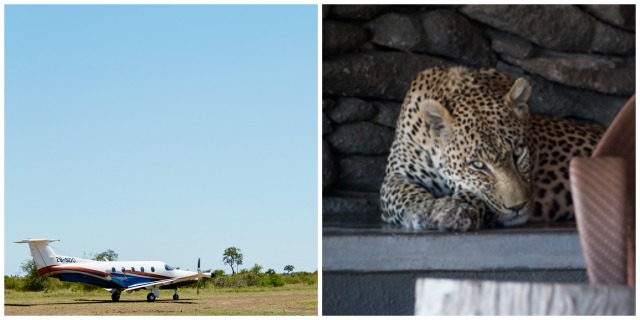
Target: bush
(217, 273)
(231, 281)
(301, 277)
(12, 283)
(34, 284)
(307, 277)
(271, 280)
(291, 279)
(252, 279)
(249, 279)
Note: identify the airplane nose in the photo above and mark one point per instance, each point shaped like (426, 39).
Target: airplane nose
(517, 208)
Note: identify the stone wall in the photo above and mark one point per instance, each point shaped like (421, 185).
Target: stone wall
(580, 61)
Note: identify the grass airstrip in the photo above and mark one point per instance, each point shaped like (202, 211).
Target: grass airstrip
(291, 299)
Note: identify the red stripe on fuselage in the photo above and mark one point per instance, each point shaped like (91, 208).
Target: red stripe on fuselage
(60, 268)
(45, 270)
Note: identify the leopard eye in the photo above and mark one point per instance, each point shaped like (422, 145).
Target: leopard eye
(478, 165)
(519, 150)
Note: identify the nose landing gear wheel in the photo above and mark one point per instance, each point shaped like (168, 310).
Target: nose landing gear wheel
(115, 296)
(176, 297)
(151, 297)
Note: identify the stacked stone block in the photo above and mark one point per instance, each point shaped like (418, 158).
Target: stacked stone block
(580, 60)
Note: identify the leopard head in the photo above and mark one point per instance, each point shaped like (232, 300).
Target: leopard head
(480, 127)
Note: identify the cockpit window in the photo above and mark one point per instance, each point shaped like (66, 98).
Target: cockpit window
(168, 267)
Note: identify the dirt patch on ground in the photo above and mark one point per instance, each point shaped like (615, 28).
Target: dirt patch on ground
(278, 302)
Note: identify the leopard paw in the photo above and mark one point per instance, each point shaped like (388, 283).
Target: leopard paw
(456, 215)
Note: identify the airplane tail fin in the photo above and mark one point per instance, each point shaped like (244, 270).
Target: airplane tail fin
(42, 253)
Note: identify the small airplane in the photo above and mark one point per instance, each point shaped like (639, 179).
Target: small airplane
(114, 276)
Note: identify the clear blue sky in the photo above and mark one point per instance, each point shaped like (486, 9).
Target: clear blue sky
(163, 132)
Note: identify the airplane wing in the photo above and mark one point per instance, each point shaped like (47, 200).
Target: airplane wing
(160, 283)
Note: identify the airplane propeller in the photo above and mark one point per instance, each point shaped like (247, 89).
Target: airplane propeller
(201, 275)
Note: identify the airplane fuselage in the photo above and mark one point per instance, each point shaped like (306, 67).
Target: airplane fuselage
(115, 274)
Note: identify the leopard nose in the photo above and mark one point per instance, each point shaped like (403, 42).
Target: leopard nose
(517, 208)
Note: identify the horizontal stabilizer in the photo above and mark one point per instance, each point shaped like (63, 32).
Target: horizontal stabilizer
(37, 241)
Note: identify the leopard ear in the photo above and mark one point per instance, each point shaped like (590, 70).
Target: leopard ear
(518, 96)
(437, 117)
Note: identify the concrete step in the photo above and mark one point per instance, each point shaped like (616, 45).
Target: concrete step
(370, 268)
(378, 247)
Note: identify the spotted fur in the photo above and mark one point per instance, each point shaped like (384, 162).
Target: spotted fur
(467, 154)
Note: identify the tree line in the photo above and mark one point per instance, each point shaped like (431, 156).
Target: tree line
(254, 276)
(232, 256)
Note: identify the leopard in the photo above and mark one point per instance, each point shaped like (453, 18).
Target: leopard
(468, 154)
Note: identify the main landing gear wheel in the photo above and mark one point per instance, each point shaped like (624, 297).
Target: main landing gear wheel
(176, 296)
(151, 297)
(115, 296)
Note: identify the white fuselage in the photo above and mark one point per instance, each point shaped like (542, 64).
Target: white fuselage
(114, 274)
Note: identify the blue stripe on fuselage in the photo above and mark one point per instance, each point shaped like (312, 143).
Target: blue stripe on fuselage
(87, 279)
(118, 280)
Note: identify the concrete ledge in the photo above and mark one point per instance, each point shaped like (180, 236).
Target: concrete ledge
(380, 249)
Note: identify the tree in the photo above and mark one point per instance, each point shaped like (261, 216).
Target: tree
(288, 268)
(270, 272)
(256, 269)
(32, 281)
(232, 257)
(109, 255)
(217, 273)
